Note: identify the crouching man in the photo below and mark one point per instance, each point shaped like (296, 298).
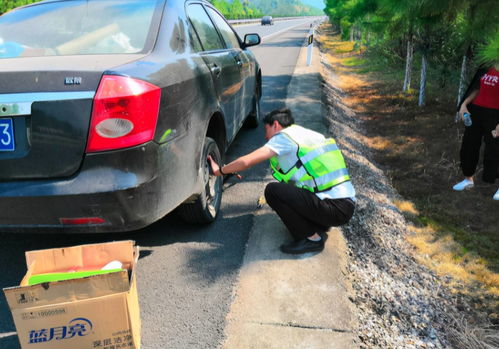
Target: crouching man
(314, 191)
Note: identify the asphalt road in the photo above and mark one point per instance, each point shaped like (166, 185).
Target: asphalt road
(186, 274)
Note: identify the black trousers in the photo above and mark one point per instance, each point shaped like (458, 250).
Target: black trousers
(484, 121)
(303, 213)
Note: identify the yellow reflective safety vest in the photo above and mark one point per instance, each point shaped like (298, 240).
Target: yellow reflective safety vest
(319, 163)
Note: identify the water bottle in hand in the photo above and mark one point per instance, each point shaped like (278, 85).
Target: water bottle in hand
(467, 119)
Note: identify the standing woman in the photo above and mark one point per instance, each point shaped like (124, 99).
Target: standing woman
(482, 103)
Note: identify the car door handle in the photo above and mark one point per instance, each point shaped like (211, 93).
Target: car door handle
(237, 57)
(215, 69)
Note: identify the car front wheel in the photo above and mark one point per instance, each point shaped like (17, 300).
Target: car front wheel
(207, 205)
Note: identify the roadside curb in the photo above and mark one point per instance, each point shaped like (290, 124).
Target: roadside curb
(284, 301)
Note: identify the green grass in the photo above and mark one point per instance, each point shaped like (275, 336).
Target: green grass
(374, 63)
(354, 61)
(480, 245)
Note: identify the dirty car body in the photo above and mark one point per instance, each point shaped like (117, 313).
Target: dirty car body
(109, 109)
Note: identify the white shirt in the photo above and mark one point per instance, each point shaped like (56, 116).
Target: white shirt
(287, 150)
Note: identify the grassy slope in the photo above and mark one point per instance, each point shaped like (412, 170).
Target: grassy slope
(455, 234)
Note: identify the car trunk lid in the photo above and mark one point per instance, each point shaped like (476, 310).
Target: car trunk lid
(45, 111)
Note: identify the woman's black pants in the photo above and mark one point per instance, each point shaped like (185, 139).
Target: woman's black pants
(484, 121)
(303, 213)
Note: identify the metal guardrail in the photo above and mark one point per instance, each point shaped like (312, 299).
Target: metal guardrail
(258, 20)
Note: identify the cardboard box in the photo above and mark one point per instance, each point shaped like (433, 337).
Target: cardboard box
(100, 311)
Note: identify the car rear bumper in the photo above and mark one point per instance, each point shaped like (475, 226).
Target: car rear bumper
(119, 197)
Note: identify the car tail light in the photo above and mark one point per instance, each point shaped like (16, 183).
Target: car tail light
(124, 114)
(82, 221)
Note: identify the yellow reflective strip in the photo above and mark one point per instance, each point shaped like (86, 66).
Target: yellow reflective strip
(317, 152)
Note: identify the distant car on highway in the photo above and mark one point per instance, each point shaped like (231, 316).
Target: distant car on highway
(110, 108)
(267, 20)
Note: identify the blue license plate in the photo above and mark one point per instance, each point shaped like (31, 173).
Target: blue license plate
(7, 142)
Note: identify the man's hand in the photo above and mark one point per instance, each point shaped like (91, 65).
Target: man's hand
(215, 168)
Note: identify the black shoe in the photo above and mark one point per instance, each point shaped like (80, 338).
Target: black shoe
(323, 236)
(303, 246)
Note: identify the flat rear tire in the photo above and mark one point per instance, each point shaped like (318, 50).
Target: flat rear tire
(206, 206)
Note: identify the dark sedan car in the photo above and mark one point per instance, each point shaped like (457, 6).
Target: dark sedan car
(267, 20)
(109, 109)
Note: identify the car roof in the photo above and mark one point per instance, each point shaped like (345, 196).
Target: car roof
(49, 1)
(53, 1)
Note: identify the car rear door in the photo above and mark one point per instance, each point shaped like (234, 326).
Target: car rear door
(246, 84)
(220, 60)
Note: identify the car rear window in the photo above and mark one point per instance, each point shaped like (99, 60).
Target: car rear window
(227, 33)
(204, 27)
(78, 27)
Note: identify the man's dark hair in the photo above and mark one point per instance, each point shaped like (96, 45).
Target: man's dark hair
(282, 116)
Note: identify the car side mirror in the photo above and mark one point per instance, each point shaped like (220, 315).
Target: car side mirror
(251, 40)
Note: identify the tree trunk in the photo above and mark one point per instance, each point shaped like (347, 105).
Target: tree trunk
(422, 85)
(351, 34)
(408, 64)
(464, 75)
